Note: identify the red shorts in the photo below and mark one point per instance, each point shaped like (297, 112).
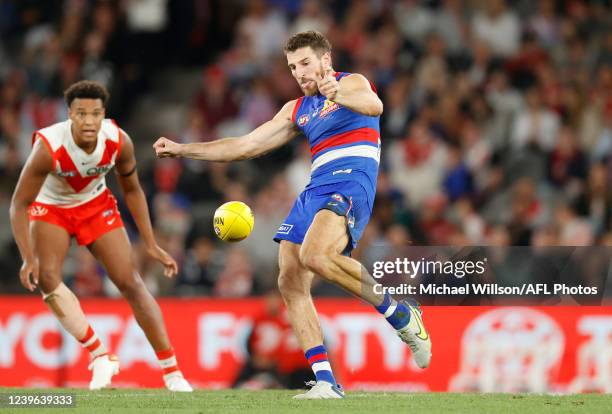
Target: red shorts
(86, 222)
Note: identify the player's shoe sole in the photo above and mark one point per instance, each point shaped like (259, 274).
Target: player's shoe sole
(103, 369)
(416, 336)
(321, 390)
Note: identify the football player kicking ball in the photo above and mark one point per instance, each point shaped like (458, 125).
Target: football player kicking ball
(62, 193)
(339, 114)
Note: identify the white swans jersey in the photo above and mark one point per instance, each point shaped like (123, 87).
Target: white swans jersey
(77, 176)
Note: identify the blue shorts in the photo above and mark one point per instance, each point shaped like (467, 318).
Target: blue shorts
(347, 198)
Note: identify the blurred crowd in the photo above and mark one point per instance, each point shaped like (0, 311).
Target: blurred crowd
(497, 124)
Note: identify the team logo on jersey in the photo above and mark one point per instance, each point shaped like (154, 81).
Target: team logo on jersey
(337, 197)
(328, 108)
(38, 211)
(98, 170)
(303, 120)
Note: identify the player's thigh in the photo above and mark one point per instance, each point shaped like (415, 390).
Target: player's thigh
(51, 243)
(114, 252)
(327, 234)
(293, 276)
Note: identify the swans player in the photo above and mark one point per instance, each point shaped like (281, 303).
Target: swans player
(61, 194)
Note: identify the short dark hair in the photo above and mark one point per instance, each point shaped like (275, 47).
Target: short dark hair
(316, 40)
(86, 89)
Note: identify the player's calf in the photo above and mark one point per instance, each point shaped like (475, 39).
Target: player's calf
(66, 307)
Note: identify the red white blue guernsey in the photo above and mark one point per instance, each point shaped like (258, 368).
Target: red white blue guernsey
(77, 177)
(345, 145)
(345, 148)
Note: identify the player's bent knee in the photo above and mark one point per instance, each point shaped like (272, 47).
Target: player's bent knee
(315, 261)
(49, 278)
(130, 285)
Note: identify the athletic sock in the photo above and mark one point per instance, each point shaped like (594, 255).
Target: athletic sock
(93, 344)
(396, 313)
(317, 358)
(167, 361)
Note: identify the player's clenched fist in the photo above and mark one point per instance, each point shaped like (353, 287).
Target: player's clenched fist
(328, 85)
(166, 148)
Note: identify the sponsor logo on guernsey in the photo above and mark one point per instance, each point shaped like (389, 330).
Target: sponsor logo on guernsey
(347, 171)
(303, 120)
(285, 228)
(38, 211)
(328, 108)
(98, 170)
(67, 174)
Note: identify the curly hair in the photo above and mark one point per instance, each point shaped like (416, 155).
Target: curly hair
(86, 89)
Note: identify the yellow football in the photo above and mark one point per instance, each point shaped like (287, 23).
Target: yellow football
(233, 221)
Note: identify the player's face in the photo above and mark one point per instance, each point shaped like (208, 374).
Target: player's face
(306, 67)
(86, 116)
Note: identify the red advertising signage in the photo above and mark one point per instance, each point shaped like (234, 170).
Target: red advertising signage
(490, 349)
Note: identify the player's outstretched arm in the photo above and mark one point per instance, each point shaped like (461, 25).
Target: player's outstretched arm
(137, 204)
(38, 165)
(353, 92)
(272, 134)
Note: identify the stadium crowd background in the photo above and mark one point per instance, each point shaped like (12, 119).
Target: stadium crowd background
(497, 127)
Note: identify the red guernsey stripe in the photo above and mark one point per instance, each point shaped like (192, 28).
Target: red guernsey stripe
(88, 335)
(94, 346)
(76, 181)
(317, 358)
(356, 135)
(169, 353)
(170, 369)
(119, 138)
(295, 109)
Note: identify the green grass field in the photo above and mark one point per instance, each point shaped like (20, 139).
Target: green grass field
(234, 401)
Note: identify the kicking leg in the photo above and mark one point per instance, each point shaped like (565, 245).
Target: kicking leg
(51, 244)
(113, 250)
(321, 253)
(294, 283)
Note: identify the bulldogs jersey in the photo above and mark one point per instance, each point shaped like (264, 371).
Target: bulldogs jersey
(77, 176)
(344, 145)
